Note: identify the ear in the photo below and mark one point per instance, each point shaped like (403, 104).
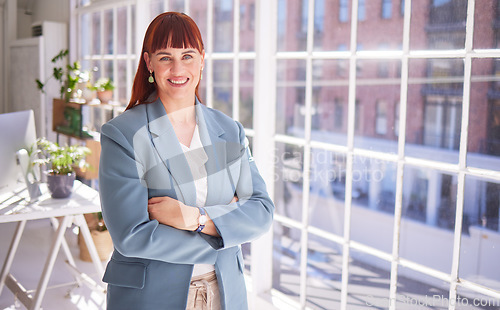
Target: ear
(147, 61)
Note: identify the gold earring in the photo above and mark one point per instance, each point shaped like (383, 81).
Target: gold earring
(151, 79)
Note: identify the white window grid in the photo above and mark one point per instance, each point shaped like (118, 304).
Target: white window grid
(400, 159)
(130, 56)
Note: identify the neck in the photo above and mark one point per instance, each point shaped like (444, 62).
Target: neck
(180, 112)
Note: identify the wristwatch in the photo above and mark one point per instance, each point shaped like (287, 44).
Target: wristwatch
(202, 220)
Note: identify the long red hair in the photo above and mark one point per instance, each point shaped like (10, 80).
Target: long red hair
(169, 29)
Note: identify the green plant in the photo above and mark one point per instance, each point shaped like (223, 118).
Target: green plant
(68, 76)
(103, 84)
(62, 159)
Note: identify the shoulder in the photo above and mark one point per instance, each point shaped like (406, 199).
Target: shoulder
(229, 125)
(127, 123)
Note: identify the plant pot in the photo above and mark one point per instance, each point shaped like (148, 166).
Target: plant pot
(103, 244)
(105, 96)
(60, 185)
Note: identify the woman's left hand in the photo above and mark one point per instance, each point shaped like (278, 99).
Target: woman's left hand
(172, 212)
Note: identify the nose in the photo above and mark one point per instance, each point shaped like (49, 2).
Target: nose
(177, 67)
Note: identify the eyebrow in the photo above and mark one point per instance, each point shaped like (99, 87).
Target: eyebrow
(169, 54)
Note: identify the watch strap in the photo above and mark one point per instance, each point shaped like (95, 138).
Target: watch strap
(200, 225)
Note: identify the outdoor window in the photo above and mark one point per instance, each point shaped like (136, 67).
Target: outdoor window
(386, 9)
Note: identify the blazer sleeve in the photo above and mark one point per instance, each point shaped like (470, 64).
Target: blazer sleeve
(252, 215)
(124, 202)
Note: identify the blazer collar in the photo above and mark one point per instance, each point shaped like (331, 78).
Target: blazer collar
(169, 149)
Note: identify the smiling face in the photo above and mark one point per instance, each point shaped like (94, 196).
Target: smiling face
(176, 72)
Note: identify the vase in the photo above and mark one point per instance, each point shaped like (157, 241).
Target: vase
(105, 96)
(60, 185)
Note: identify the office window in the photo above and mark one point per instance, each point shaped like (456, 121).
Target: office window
(106, 45)
(386, 9)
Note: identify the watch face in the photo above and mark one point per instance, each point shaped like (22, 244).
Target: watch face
(203, 219)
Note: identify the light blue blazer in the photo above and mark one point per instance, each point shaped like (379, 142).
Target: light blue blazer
(152, 263)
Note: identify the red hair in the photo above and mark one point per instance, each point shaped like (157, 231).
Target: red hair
(169, 29)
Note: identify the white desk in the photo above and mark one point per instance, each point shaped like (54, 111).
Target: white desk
(15, 208)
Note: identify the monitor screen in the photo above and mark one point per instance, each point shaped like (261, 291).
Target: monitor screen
(17, 131)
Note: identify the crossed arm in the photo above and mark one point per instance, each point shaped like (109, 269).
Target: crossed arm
(174, 213)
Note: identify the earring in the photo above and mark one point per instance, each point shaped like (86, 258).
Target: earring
(201, 74)
(151, 79)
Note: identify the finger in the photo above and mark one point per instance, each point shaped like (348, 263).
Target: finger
(156, 200)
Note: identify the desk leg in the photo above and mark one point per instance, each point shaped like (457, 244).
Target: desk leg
(65, 247)
(12, 252)
(49, 264)
(84, 229)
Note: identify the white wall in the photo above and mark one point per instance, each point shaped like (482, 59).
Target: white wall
(17, 26)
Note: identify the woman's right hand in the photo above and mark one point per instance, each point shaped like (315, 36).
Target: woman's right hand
(235, 199)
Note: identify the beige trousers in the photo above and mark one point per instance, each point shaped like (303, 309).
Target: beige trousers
(204, 293)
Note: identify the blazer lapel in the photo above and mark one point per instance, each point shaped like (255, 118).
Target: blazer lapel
(169, 150)
(215, 147)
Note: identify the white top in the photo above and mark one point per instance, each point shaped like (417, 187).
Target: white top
(196, 158)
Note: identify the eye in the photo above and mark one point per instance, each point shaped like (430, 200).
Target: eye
(165, 58)
(188, 57)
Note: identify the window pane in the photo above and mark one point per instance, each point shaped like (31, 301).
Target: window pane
(121, 30)
(108, 32)
(132, 35)
(85, 40)
(484, 116)
(375, 31)
(327, 190)
(176, 5)
(96, 33)
(286, 274)
(373, 201)
(121, 83)
(434, 109)
(223, 26)
(480, 251)
(486, 21)
(420, 291)
(290, 105)
(156, 7)
(324, 263)
(247, 25)
(292, 25)
(330, 98)
(223, 86)
(288, 180)
(378, 91)
(429, 197)
(198, 12)
(246, 93)
(438, 27)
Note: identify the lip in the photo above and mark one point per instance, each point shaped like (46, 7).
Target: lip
(178, 82)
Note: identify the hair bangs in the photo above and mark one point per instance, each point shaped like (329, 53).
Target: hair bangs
(176, 32)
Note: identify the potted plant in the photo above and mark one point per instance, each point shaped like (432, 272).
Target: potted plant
(61, 162)
(104, 87)
(68, 76)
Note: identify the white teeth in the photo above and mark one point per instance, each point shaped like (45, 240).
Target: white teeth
(178, 82)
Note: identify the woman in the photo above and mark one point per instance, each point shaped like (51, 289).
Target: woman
(179, 189)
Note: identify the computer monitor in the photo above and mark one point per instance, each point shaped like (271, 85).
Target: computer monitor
(17, 131)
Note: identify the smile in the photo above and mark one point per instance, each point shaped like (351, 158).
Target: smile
(179, 82)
